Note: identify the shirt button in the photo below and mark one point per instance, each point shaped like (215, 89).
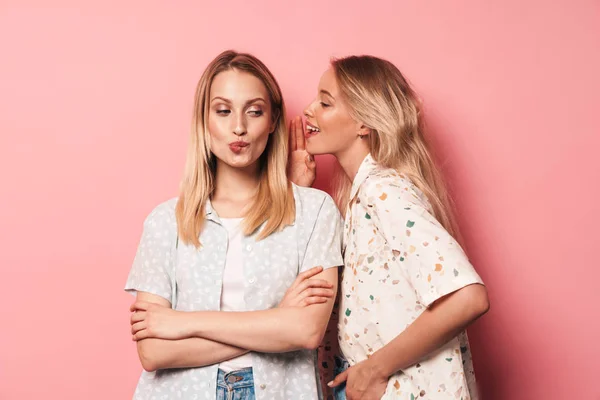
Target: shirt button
(251, 281)
(249, 248)
(263, 386)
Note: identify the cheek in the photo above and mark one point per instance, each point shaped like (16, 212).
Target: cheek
(259, 128)
(330, 122)
(323, 119)
(216, 128)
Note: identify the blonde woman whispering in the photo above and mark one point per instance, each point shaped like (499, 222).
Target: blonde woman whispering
(408, 290)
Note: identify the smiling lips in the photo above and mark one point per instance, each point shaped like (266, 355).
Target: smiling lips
(238, 146)
(311, 130)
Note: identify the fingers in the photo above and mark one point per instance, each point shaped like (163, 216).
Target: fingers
(139, 306)
(310, 272)
(311, 164)
(318, 292)
(313, 283)
(139, 335)
(339, 379)
(138, 320)
(138, 326)
(305, 275)
(138, 316)
(299, 133)
(292, 135)
(143, 306)
(319, 283)
(309, 301)
(308, 288)
(315, 296)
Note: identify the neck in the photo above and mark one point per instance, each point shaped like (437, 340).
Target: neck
(235, 183)
(352, 158)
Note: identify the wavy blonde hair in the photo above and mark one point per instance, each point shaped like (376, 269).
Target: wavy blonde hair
(381, 98)
(273, 203)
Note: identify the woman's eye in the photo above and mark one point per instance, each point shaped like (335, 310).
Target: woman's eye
(324, 104)
(223, 112)
(255, 113)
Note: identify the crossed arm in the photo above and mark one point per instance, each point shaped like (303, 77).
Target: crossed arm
(167, 338)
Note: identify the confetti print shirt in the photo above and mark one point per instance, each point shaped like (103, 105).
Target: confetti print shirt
(399, 260)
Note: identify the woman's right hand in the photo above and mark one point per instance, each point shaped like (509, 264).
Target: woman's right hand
(306, 291)
(302, 168)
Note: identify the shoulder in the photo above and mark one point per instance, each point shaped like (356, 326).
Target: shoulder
(388, 188)
(308, 194)
(162, 216)
(311, 198)
(313, 203)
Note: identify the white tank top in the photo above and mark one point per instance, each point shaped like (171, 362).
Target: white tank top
(232, 295)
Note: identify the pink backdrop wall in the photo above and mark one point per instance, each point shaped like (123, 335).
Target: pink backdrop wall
(95, 102)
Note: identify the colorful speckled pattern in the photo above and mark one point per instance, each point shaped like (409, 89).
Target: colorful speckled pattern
(399, 260)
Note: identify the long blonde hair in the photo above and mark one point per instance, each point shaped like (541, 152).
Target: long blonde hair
(381, 98)
(274, 201)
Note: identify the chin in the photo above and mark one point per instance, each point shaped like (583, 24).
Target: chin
(234, 161)
(241, 162)
(316, 150)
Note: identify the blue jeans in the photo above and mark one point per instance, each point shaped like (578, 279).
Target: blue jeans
(235, 385)
(340, 365)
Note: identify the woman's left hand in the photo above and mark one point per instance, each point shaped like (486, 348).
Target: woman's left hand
(363, 381)
(149, 320)
(302, 168)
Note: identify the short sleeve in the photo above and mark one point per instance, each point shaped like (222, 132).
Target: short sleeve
(433, 261)
(152, 266)
(325, 242)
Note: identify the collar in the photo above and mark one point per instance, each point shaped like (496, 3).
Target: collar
(210, 213)
(367, 165)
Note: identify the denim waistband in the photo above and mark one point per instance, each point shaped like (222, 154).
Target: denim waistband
(235, 379)
(340, 364)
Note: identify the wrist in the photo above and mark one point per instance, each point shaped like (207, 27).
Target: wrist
(380, 365)
(189, 323)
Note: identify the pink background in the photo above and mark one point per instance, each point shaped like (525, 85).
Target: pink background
(95, 104)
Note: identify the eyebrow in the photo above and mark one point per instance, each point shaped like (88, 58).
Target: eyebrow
(327, 93)
(254, 100)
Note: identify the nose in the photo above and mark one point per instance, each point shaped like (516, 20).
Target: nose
(308, 111)
(240, 125)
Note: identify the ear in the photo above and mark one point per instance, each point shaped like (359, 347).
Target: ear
(362, 130)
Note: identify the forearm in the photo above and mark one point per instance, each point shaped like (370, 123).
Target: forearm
(186, 353)
(270, 331)
(432, 329)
